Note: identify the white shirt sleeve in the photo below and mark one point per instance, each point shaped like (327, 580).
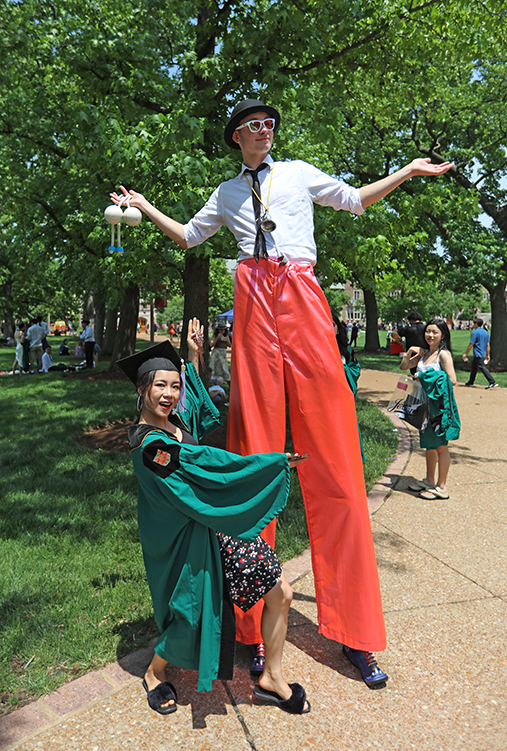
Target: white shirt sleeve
(329, 191)
(205, 223)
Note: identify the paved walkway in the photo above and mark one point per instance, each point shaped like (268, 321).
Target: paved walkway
(443, 575)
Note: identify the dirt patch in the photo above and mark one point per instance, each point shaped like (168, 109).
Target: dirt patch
(113, 437)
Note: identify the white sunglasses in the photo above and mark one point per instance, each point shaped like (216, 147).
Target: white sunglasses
(256, 125)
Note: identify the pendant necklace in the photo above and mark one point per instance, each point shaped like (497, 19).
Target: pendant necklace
(267, 224)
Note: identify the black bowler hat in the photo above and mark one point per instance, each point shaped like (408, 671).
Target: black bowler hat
(241, 110)
(162, 356)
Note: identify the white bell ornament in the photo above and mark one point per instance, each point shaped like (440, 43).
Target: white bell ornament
(132, 216)
(113, 214)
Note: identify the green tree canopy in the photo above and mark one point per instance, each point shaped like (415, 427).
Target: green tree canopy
(139, 93)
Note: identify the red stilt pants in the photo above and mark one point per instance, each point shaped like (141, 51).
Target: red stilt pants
(284, 343)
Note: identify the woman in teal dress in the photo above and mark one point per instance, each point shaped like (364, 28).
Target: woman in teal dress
(437, 358)
(200, 514)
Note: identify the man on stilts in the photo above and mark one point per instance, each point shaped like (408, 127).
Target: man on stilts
(269, 209)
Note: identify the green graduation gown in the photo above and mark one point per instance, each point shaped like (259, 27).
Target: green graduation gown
(186, 493)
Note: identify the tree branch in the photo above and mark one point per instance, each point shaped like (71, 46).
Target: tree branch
(358, 43)
(225, 7)
(153, 106)
(488, 203)
(337, 53)
(489, 173)
(51, 213)
(10, 131)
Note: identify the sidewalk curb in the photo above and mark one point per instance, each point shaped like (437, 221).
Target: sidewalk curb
(387, 483)
(84, 692)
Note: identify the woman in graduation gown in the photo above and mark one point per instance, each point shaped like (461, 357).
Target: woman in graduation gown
(200, 514)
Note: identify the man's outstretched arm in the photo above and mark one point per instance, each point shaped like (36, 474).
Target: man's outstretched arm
(169, 226)
(371, 193)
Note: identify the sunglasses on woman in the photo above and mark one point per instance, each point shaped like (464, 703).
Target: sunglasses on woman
(256, 125)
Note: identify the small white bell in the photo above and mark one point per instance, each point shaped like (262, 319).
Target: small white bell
(113, 214)
(132, 216)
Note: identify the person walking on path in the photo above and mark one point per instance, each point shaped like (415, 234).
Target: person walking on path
(480, 342)
(435, 357)
(269, 209)
(88, 336)
(200, 512)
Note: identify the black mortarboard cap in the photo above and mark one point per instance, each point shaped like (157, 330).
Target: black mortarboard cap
(161, 356)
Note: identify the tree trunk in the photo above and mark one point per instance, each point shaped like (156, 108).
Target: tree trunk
(8, 325)
(196, 272)
(8, 311)
(372, 341)
(125, 343)
(100, 315)
(498, 325)
(110, 335)
(196, 288)
(89, 308)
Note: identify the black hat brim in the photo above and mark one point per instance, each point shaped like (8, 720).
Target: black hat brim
(163, 357)
(243, 109)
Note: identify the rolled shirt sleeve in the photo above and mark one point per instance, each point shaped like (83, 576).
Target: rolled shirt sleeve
(205, 223)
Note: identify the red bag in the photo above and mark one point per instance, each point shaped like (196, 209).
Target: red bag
(396, 348)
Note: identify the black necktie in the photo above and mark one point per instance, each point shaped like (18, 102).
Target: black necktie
(260, 240)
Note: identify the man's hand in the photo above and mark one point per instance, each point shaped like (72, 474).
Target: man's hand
(135, 199)
(373, 192)
(425, 167)
(170, 227)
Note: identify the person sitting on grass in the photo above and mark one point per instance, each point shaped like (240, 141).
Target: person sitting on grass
(215, 390)
(200, 513)
(48, 364)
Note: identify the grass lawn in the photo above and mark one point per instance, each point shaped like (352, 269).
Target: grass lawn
(72, 584)
(73, 590)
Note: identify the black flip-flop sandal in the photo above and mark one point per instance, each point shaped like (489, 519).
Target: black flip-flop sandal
(294, 705)
(159, 695)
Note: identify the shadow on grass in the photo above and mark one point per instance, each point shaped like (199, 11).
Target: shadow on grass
(51, 485)
(134, 636)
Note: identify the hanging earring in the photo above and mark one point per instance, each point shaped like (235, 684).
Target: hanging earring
(139, 403)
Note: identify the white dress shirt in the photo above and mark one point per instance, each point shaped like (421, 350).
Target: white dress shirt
(35, 335)
(295, 187)
(47, 362)
(87, 334)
